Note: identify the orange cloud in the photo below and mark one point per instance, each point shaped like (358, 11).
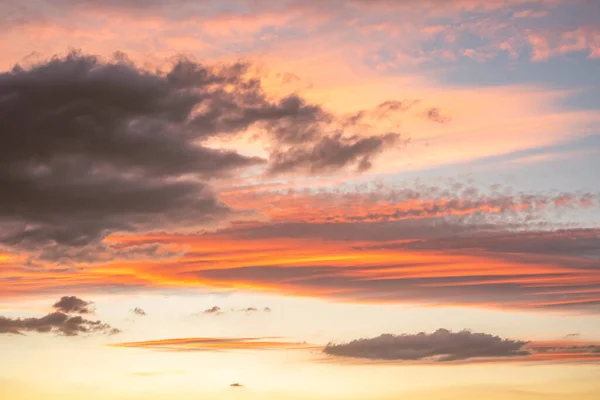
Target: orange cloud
(429, 245)
(216, 344)
(345, 204)
(514, 271)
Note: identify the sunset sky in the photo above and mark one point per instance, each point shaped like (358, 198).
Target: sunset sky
(300, 199)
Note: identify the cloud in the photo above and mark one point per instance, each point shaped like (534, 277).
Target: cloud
(99, 147)
(215, 344)
(59, 322)
(138, 311)
(332, 153)
(236, 385)
(441, 345)
(216, 310)
(435, 115)
(346, 203)
(73, 304)
(106, 147)
(580, 243)
(452, 245)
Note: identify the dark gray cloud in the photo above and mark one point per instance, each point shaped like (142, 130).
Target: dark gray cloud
(73, 304)
(59, 322)
(332, 153)
(138, 311)
(90, 147)
(441, 345)
(56, 322)
(517, 282)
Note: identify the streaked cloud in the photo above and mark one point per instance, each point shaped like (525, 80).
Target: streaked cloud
(436, 246)
(216, 344)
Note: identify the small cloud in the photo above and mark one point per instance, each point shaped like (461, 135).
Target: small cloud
(73, 304)
(139, 311)
(267, 309)
(249, 309)
(236, 385)
(216, 310)
(435, 115)
(572, 335)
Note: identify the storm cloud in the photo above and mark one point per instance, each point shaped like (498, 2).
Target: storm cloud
(90, 147)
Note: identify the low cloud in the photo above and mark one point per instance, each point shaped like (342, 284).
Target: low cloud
(58, 322)
(440, 346)
(213, 310)
(236, 385)
(73, 304)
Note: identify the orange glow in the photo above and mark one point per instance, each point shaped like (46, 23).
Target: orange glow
(341, 270)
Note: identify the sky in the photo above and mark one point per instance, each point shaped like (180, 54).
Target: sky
(299, 199)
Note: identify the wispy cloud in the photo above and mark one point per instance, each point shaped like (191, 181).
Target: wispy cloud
(216, 344)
